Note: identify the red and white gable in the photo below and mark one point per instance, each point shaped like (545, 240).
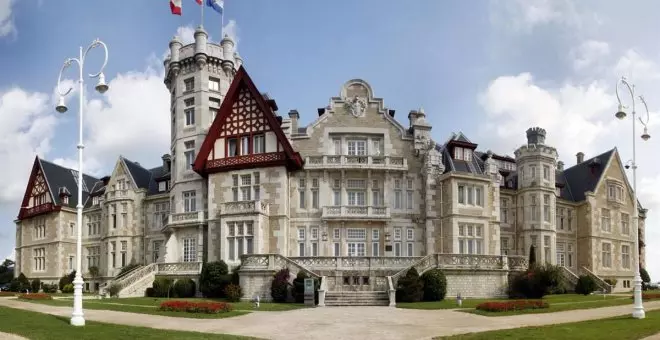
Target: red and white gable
(245, 133)
(37, 199)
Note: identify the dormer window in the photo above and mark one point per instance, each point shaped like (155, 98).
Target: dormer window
(246, 145)
(162, 186)
(463, 154)
(232, 147)
(95, 200)
(615, 192)
(65, 200)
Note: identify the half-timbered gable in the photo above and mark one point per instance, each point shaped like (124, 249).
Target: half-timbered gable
(38, 198)
(245, 133)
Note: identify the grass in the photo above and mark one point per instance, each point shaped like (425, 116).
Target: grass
(623, 328)
(557, 303)
(37, 326)
(155, 302)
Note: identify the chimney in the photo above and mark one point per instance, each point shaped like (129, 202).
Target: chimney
(167, 162)
(294, 116)
(560, 166)
(536, 135)
(580, 157)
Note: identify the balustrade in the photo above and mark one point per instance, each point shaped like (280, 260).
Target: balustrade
(187, 218)
(361, 162)
(338, 212)
(37, 210)
(244, 207)
(180, 268)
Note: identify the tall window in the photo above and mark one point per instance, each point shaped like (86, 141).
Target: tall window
(39, 228)
(315, 193)
(232, 147)
(398, 195)
(124, 249)
(504, 246)
(240, 239)
(625, 224)
(504, 210)
(375, 244)
(606, 254)
(113, 251)
(547, 243)
(301, 241)
(189, 249)
(336, 146)
(259, 144)
(535, 243)
(472, 195)
(314, 231)
(246, 187)
(39, 259)
(625, 256)
(534, 208)
(93, 257)
(71, 265)
(214, 84)
(532, 170)
(615, 192)
(569, 220)
(356, 238)
(356, 190)
(189, 84)
(124, 215)
(357, 147)
(569, 248)
(546, 208)
(189, 153)
(397, 242)
(302, 184)
(605, 220)
(546, 172)
(375, 147)
(376, 195)
(409, 193)
(561, 218)
(190, 116)
(161, 210)
(113, 216)
(155, 251)
(470, 239)
(561, 254)
(189, 201)
(245, 145)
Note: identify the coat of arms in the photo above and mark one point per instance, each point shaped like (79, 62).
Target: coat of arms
(357, 106)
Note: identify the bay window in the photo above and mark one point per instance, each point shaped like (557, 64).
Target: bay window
(240, 239)
(470, 238)
(471, 195)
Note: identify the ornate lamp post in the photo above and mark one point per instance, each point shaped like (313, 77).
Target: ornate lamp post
(77, 316)
(638, 308)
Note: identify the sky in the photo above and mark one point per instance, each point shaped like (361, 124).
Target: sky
(488, 68)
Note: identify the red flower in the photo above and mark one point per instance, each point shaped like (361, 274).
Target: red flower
(504, 306)
(35, 296)
(196, 307)
(648, 296)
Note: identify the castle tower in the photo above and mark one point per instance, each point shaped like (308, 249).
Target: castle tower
(198, 76)
(536, 164)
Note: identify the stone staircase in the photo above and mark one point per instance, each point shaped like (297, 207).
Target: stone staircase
(357, 298)
(136, 282)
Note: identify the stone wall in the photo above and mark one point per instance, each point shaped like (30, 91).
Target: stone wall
(476, 283)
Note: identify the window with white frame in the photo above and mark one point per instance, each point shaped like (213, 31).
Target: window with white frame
(546, 172)
(336, 233)
(240, 239)
(397, 234)
(410, 234)
(615, 191)
(561, 254)
(625, 256)
(336, 197)
(302, 184)
(124, 249)
(375, 147)
(375, 244)
(214, 84)
(259, 144)
(315, 193)
(546, 208)
(336, 146)
(357, 147)
(472, 195)
(504, 210)
(534, 209)
(625, 224)
(39, 228)
(605, 220)
(232, 147)
(606, 254)
(124, 215)
(155, 251)
(356, 244)
(398, 195)
(561, 218)
(189, 153)
(336, 249)
(189, 116)
(470, 238)
(95, 200)
(246, 187)
(189, 201)
(189, 84)
(409, 192)
(245, 145)
(39, 259)
(504, 245)
(464, 154)
(93, 257)
(547, 243)
(410, 249)
(161, 210)
(356, 191)
(162, 186)
(377, 198)
(190, 249)
(71, 266)
(569, 254)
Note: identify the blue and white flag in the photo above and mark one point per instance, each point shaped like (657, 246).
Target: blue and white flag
(217, 5)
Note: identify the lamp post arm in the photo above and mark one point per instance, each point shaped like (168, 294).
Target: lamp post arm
(641, 98)
(65, 66)
(94, 44)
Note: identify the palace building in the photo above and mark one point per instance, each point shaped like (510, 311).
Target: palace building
(354, 198)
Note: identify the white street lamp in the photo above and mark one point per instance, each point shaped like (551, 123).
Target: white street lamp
(638, 308)
(77, 316)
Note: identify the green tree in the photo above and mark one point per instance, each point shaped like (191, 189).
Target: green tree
(6, 271)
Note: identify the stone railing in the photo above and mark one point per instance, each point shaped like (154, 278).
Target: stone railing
(184, 218)
(604, 286)
(37, 210)
(275, 262)
(180, 268)
(357, 162)
(568, 275)
(354, 262)
(135, 276)
(244, 207)
(116, 194)
(517, 262)
(338, 212)
(323, 288)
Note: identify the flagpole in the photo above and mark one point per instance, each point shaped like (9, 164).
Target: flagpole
(202, 5)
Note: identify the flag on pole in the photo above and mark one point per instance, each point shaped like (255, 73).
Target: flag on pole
(199, 2)
(175, 6)
(217, 5)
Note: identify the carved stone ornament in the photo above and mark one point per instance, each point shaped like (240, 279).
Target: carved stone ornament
(356, 106)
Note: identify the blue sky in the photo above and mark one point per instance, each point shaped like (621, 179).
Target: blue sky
(485, 67)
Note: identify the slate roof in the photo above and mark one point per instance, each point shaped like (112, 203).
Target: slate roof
(58, 177)
(474, 166)
(146, 178)
(584, 177)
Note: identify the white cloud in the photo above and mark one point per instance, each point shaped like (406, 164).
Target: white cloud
(636, 67)
(231, 30)
(7, 26)
(588, 53)
(523, 16)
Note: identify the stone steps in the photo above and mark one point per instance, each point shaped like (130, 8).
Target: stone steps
(357, 298)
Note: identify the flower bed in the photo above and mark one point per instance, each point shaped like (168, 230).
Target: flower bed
(7, 293)
(196, 307)
(505, 306)
(35, 296)
(649, 296)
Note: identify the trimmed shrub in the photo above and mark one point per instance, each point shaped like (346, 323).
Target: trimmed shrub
(535, 283)
(113, 290)
(611, 282)
(435, 285)
(233, 292)
(649, 296)
(279, 288)
(67, 279)
(22, 283)
(196, 307)
(68, 289)
(298, 289)
(35, 285)
(410, 287)
(214, 279)
(35, 296)
(162, 287)
(505, 306)
(184, 288)
(646, 279)
(585, 285)
(234, 276)
(7, 293)
(49, 288)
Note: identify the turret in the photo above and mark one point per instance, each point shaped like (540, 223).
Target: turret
(228, 53)
(536, 135)
(421, 129)
(201, 39)
(238, 59)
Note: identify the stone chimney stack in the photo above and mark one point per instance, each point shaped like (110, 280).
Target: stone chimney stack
(536, 135)
(294, 116)
(580, 157)
(167, 162)
(560, 166)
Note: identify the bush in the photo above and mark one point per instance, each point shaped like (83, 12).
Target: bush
(532, 256)
(196, 307)
(646, 279)
(435, 285)
(67, 279)
(162, 287)
(299, 288)
(649, 296)
(7, 293)
(585, 285)
(410, 287)
(68, 289)
(213, 279)
(505, 306)
(611, 282)
(35, 296)
(35, 285)
(535, 283)
(233, 292)
(184, 288)
(114, 289)
(22, 283)
(279, 288)
(49, 288)
(234, 276)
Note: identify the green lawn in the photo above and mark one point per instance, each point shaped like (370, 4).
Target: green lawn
(621, 328)
(557, 303)
(37, 326)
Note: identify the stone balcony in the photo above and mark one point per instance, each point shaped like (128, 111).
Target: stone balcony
(355, 212)
(243, 207)
(187, 218)
(357, 162)
(116, 195)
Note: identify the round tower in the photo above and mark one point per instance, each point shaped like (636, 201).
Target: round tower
(198, 76)
(536, 199)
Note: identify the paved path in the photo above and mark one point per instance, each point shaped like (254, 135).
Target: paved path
(340, 323)
(7, 336)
